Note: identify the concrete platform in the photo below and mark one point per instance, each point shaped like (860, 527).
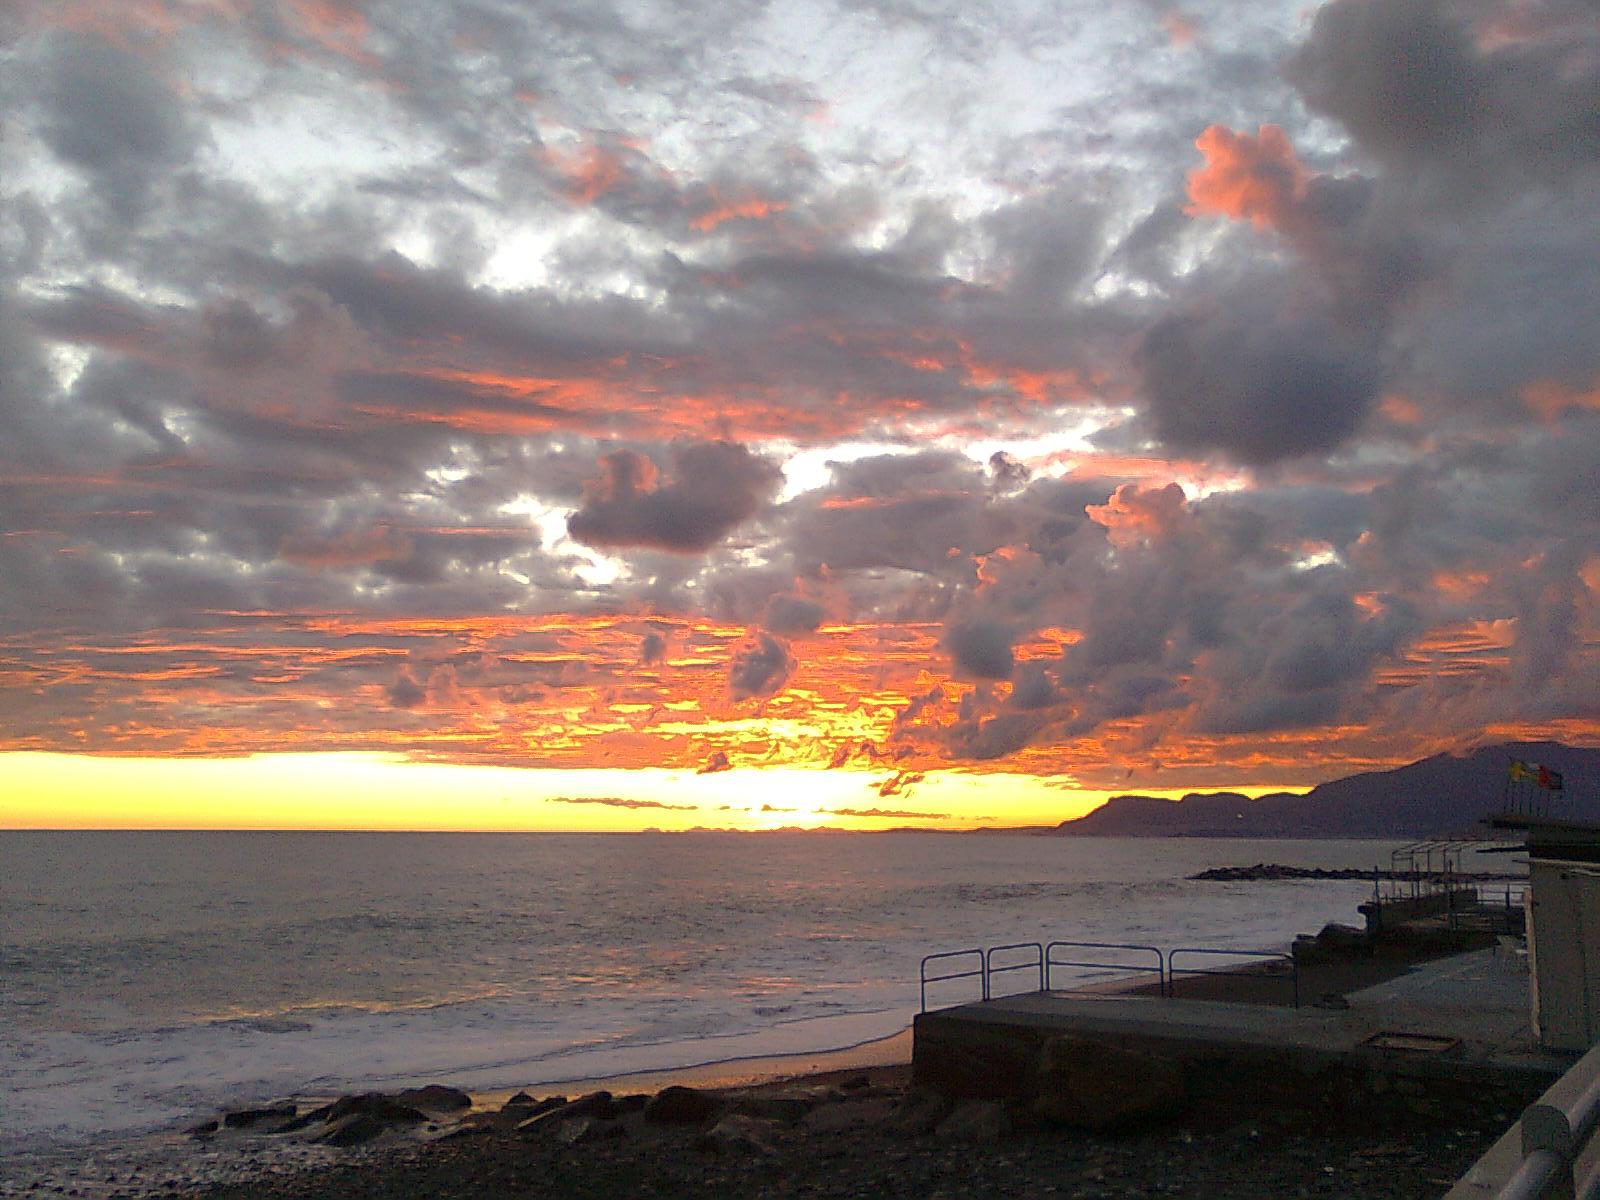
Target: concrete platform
(1448, 1022)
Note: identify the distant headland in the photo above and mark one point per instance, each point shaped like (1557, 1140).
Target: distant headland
(1442, 795)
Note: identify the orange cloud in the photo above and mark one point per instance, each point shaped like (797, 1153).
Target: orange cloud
(1255, 179)
(1549, 399)
(1402, 410)
(1134, 515)
(335, 26)
(746, 208)
(353, 547)
(590, 173)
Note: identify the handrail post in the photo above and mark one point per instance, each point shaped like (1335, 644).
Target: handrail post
(1546, 1127)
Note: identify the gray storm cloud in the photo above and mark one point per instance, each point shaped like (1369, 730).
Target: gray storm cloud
(760, 667)
(1237, 379)
(714, 487)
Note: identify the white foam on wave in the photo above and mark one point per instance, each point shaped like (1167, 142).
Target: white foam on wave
(59, 1088)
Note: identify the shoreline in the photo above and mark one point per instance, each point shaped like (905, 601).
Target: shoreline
(741, 1071)
(171, 1162)
(842, 1132)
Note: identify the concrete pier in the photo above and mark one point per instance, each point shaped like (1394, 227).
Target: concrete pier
(1435, 1028)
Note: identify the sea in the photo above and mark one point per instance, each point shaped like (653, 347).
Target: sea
(151, 979)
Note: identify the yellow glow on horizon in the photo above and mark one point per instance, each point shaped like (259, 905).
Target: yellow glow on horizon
(390, 792)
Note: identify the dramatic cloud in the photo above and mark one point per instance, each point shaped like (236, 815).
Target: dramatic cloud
(981, 649)
(1116, 396)
(716, 762)
(1251, 179)
(1257, 384)
(652, 649)
(714, 487)
(898, 784)
(760, 666)
(107, 113)
(1477, 93)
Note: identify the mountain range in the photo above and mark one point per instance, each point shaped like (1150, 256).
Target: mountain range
(1444, 795)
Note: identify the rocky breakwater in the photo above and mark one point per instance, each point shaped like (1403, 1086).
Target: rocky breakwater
(1274, 871)
(1269, 872)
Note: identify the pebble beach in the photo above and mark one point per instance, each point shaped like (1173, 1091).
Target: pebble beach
(871, 1134)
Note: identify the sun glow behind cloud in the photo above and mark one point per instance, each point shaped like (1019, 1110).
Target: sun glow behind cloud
(385, 791)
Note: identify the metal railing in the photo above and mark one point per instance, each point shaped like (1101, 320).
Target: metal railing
(1556, 1130)
(981, 973)
(1044, 959)
(1050, 960)
(1436, 865)
(990, 970)
(1259, 955)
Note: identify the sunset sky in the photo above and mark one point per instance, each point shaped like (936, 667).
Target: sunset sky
(615, 415)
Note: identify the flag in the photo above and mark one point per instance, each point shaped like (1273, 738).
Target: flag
(1541, 777)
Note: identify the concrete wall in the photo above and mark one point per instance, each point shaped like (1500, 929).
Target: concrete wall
(964, 1058)
(1565, 936)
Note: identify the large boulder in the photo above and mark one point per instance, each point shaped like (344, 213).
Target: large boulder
(528, 1108)
(1344, 940)
(245, 1118)
(599, 1106)
(583, 1130)
(737, 1135)
(351, 1120)
(681, 1106)
(376, 1105)
(435, 1098)
(352, 1129)
(1096, 1086)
